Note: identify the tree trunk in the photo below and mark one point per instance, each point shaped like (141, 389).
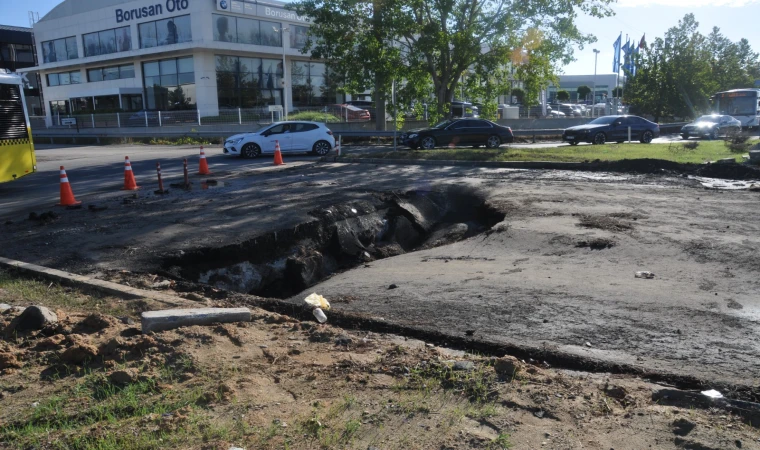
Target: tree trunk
(380, 109)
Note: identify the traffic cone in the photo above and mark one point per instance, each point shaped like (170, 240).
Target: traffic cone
(337, 148)
(277, 154)
(203, 170)
(129, 177)
(67, 196)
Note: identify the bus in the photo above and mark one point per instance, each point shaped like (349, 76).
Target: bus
(16, 148)
(741, 104)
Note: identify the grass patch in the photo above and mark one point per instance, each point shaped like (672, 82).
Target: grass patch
(21, 291)
(315, 116)
(705, 151)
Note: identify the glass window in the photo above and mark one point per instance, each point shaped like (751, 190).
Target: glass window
(110, 73)
(53, 79)
(166, 32)
(169, 80)
(95, 75)
(185, 65)
(250, 65)
(150, 69)
(123, 39)
(298, 36)
(107, 42)
(24, 53)
(184, 29)
(148, 35)
(91, 44)
(225, 28)
(168, 67)
(127, 71)
(72, 52)
(226, 63)
(186, 78)
(59, 107)
(5, 52)
(76, 77)
(271, 34)
(81, 104)
(248, 31)
(60, 49)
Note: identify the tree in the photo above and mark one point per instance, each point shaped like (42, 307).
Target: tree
(617, 92)
(563, 95)
(583, 92)
(443, 39)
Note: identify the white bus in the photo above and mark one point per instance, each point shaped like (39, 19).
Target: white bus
(742, 104)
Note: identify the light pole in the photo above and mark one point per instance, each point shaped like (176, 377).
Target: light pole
(593, 99)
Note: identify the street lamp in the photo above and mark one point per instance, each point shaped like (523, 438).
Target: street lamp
(593, 99)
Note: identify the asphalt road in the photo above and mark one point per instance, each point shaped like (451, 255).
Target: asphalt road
(100, 169)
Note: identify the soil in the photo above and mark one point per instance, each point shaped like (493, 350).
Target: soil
(556, 274)
(279, 382)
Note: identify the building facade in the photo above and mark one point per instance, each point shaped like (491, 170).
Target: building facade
(17, 53)
(605, 83)
(130, 55)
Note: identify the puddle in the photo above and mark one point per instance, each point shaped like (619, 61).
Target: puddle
(283, 263)
(716, 183)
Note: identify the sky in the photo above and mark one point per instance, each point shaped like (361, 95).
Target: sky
(736, 18)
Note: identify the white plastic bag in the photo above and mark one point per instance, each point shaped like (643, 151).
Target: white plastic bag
(317, 301)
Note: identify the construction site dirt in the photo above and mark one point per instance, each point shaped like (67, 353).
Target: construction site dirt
(537, 262)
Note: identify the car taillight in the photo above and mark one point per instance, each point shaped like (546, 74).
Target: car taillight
(510, 129)
(329, 132)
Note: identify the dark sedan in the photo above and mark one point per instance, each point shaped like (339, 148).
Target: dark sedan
(459, 132)
(711, 126)
(612, 128)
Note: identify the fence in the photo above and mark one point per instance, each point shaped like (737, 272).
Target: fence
(238, 116)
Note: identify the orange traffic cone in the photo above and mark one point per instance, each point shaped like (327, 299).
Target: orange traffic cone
(277, 154)
(203, 170)
(67, 196)
(129, 178)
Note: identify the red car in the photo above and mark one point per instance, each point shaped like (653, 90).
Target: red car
(348, 112)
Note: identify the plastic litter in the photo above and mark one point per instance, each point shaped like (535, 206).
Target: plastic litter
(320, 315)
(644, 274)
(712, 393)
(317, 301)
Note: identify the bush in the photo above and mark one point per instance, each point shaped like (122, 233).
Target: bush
(737, 141)
(315, 116)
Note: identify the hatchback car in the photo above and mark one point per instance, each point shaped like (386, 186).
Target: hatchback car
(612, 128)
(293, 137)
(711, 126)
(456, 132)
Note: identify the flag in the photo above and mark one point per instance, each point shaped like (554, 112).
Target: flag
(633, 61)
(627, 56)
(643, 42)
(616, 55)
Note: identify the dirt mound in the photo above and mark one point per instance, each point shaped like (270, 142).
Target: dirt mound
(729, 171)
(644, 166)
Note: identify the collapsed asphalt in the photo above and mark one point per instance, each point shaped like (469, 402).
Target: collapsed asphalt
(533, 280)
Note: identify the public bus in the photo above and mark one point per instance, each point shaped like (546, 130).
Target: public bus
(16, 147)
(741, 104)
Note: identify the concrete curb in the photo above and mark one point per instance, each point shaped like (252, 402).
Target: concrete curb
(84, 282)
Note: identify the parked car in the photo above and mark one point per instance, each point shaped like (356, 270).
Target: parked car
(554, 113)
(456, 132)
(612, 128)
(566, 108)
(711, 126)
(292, 136)
(348, 112)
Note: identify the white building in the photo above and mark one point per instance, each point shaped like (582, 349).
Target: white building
(103, 55)
(605, 83)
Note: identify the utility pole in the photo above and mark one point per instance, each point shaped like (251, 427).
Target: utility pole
(593, 98)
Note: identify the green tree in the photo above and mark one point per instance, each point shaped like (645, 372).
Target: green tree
(563, 95)
(443, 39)
(617, 92)
(583, 92)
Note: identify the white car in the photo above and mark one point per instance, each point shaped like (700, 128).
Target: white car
(293, 137)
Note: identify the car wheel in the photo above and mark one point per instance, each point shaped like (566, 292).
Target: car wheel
(685, 136)
(321, 148)
(573, 143)
(600, 138)
(250, 151)
(714, 133)
(428, 143)
(646, 137)
(493, 142)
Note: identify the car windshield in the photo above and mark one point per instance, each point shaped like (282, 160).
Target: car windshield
(713, 119)
(604, 120)
(443, 124)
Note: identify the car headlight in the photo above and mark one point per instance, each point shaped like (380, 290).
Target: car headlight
(412, 136)
(234, 141)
